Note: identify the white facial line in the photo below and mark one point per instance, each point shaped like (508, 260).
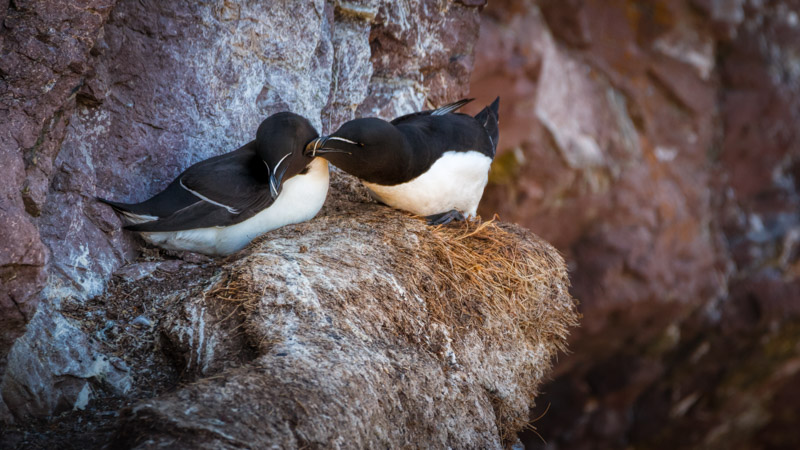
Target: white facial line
(272, 189)
(279, 163)
(206, 199)
(334, 138)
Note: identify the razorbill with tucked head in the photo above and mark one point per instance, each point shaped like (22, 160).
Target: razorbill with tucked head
(219, 205)
(431, 163)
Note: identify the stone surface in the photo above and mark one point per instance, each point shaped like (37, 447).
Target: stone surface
(114, 99)
(399, 335)
(655, 144)
(44, 47)
(54, 366)
(348, 350)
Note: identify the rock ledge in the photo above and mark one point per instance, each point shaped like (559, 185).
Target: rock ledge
(361, 328)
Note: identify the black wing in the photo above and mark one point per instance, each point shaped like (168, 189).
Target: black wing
(200, 214)
(222, 191)
(175, 197)
(238, 183)
(440, 111)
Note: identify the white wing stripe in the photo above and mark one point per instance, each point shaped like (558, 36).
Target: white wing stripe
(139, 218)
(204, 198)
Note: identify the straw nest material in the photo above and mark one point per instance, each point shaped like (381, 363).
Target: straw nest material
(364, 328)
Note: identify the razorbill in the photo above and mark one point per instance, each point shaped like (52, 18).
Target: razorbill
(432, 163)
(219, 205)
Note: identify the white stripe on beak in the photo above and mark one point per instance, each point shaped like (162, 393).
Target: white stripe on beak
(317, 144)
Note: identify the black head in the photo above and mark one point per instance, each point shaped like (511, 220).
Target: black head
(280, 141)
(371, 149)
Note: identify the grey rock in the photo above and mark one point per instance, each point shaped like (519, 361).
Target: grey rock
(137, 271)
(150, 88)
(54, 367)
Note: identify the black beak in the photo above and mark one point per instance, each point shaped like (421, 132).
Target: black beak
(314, 146)
(317, 147)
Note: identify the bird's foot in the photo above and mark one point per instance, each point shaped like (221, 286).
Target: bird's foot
(445, 217)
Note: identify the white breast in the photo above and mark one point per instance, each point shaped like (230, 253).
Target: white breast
(300, 200)
(455, 181)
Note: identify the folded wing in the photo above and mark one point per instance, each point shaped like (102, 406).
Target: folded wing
(219, 191)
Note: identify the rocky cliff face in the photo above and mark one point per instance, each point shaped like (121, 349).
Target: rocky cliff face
(364, 326)
(655, 143)
(115, 98)
(45, 46)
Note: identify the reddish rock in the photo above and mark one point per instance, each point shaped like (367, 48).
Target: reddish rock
(22, 257)
(655, 144)
(44, 48)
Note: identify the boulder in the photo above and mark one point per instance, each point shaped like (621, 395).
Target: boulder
(363, 327)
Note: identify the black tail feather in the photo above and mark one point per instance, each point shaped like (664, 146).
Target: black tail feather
(131, 213)
(119, 207)
(489, 117)
(440, 111)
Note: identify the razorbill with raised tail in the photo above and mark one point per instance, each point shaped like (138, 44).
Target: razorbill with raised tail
(432, 163)
(219, 205)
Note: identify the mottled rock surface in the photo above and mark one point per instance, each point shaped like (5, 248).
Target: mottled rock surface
(114, 98)
(656, 145)
(361, 328)
(44, 48)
